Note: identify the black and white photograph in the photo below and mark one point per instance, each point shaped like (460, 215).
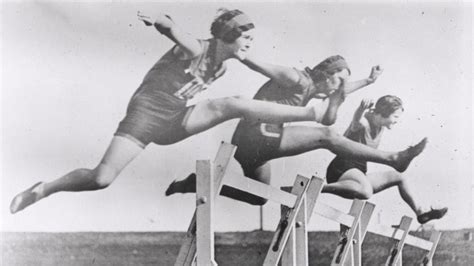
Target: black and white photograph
(236, 133)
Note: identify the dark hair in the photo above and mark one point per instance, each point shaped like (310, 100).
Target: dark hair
(388, 104)
(328, 67)
(332, 65)
(218, 27)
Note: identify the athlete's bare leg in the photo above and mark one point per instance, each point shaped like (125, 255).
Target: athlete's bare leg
(209, 113)
(355, 184)
(383, 180)
(300, 139)
(120, 152)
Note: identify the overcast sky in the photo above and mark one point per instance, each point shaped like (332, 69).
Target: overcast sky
(68, 71)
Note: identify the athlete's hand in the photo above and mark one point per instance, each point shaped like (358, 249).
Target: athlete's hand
(338, 96)
(162, 20)
(146, 19)
(366, 104)
(375, 73)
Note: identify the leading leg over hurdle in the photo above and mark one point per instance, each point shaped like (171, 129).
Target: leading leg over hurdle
(346, 174)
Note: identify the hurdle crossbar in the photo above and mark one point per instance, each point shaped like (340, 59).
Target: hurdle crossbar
(399, 234)
(260, 189)
(293, 256)
(356, 221)
(198, 246)
(290, 241)
(295, 252)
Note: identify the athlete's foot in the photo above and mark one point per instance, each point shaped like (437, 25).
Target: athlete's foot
(431, 215)
(25, 198)
(186, 185)
(405, 157)
(172, 188)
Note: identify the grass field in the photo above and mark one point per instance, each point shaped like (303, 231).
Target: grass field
(161, 248)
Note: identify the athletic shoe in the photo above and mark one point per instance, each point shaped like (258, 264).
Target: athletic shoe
(431, 215)
(25, 199)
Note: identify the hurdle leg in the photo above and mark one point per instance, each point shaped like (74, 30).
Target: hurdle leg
(285, 225)
(355, 248)
(295, 252)
(204, 209)
(434, 238)
(344, 254)
(289, 256)
(361, 230)
(303, 218)
(187, 251)
(296, 249)
(395, 257)
(301, 235)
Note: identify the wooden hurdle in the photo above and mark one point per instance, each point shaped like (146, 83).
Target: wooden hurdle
(401, 236)
(348, 250)
(290, 242)
(198, 246)
(187, 251)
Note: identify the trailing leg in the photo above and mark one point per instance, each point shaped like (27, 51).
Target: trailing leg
(119, 153)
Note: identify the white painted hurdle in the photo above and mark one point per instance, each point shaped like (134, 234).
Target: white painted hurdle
(290, 242)
(400, 234)
(187, 251)
(348, 251)
(198, 246)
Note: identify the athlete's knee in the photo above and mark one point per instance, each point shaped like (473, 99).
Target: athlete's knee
(228, 107)
(364, 193)
(395, 177)
(236, 106)
(103, 175)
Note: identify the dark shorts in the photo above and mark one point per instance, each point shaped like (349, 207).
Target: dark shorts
(157, 118)
(339, 166)
(256, 143)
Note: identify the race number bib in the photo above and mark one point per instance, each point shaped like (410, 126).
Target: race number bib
(191, 88)
(270, 130)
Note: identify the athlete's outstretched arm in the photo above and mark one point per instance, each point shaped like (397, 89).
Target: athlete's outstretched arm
(188, 46)
(286, 76)
(365, 104)
(357, 85)
(335, 101)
